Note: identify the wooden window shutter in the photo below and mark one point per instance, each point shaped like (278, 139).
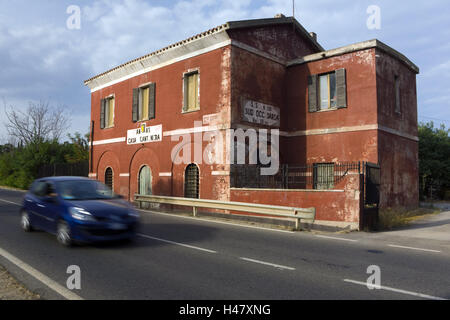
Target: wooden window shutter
(192, 91)
(135, 106)
(341, 89)
(151, 101)
(185, 93)
(312, 93)
(102, 113)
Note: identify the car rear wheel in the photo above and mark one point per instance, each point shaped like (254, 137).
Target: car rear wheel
(63, 234)
(25, 222)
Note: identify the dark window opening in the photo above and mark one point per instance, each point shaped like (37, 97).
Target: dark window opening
(109, 178)
(323, 176)
(191, 182)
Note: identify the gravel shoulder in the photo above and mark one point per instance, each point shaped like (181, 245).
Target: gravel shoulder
(11, 289)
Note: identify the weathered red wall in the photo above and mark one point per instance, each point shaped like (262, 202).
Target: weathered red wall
(214, 68)
(399, 171)
(361, 111)
(282, 41)
(255, 78)
(399, 159)
(342, 204)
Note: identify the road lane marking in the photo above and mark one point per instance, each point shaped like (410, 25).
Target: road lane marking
(177, 243)
(336, 238)
(267, 263)
(411, 293)
(10, 202)
(66, 293)
(215, 221)
(412, 248)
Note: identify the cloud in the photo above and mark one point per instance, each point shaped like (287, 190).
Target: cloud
(42, 59)
(441, 69)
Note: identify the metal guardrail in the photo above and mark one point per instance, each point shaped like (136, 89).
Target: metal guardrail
(297, 214)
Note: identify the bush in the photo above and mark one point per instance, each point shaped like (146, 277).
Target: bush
(19, 167)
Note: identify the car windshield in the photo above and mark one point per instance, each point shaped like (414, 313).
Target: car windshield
(84, 190)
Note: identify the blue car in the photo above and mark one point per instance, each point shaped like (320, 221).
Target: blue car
(77, 209)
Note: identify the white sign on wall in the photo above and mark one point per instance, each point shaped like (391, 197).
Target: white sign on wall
(144, 134)
(260, 113)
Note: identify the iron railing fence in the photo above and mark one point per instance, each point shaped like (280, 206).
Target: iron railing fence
(79, 169)
(310, 176)
(321, 176)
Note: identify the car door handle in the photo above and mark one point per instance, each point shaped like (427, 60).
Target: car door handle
(41, 206)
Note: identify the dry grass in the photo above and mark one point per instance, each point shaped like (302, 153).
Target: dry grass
(11, 289)
(392, 218)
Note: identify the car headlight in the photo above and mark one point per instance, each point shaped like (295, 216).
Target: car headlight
(133, 213)
(81, 214)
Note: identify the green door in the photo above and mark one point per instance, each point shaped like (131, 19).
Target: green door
(145, 181)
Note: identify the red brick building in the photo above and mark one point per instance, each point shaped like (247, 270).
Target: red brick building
(352, 104)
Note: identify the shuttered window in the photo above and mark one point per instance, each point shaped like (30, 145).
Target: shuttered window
(341, 88)
(327, 84)
(144, 103)
(191, 92)
(191, 182)
(109, 178)
(323, 176)
(107, 113)
(327, 91)
(312, 93)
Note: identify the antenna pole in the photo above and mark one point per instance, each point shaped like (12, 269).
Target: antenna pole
(293, 8)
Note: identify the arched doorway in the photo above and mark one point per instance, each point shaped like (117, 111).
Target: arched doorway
(191, 182)
(145, 181)
(109, 178)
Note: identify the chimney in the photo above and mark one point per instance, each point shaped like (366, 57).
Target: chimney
(314, 36)
(280, 15)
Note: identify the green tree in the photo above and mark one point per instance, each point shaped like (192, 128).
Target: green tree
(79, 148)
(19, 166)
(434, 160)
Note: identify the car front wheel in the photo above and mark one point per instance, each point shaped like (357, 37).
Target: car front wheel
(25, 221)
(63, 234)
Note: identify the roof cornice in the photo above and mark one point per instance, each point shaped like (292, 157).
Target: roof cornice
(375, 43)
(212, 38)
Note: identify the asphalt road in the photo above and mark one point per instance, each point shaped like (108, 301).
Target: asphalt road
(185, 258)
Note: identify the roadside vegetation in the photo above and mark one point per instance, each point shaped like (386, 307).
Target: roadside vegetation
(19, 165)
(35, 136)
(434, 162)
(394, 218)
